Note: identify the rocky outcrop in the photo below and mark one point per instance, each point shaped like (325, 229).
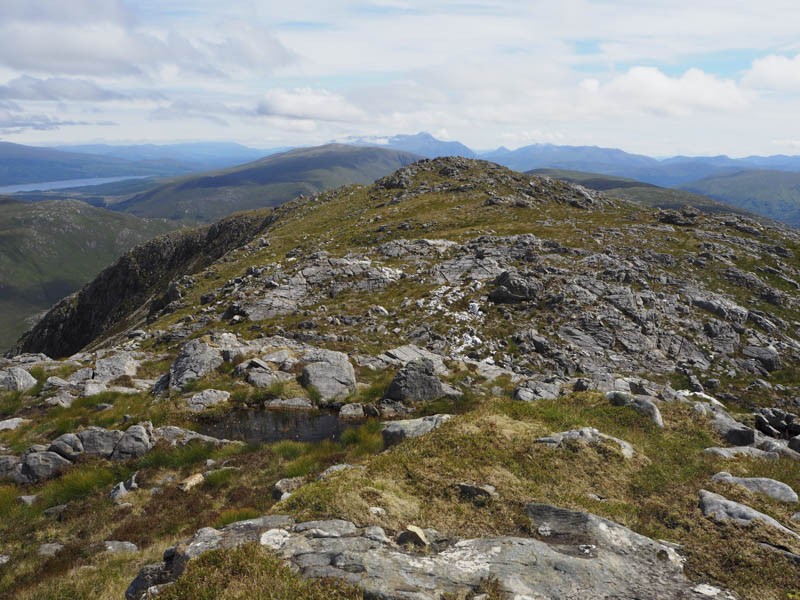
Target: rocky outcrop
(195, 360)
(760, 485)
(330, 373)
(126, 292)
(722, 509)
(16, 379)
(576, 555)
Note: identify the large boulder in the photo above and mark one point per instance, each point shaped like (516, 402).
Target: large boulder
(99, 442)
(38, 466)
(330, 373)
(195, 360)
(16, 379)
(640, 404)
(137, 441)
(415, 382)
(767, 356)
(395, 432)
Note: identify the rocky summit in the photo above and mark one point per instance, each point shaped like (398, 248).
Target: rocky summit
(458, 382)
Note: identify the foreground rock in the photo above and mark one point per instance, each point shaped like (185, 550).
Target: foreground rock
(330, 373)
(579, 555)
(722, 509)
(195, 360)
(760, 485)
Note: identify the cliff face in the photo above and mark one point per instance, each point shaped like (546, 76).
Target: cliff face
(124, 294)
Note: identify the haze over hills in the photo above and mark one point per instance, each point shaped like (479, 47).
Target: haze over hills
(28, 164)
(775, 194)
(267, 182)
(50, 249)
(200, 156)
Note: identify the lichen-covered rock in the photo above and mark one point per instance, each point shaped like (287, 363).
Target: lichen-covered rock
(395, 432)
(195, 360)
(416, 382)
(329, 373)
(586, 435)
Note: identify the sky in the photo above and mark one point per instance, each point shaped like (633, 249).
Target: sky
(690, 77)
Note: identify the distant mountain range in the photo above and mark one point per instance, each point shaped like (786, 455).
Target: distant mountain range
(422, 143)
(267, 182)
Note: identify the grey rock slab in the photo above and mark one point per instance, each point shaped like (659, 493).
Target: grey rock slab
(202, 400)
(177, 436)
(735, 451)
(119, 364)
(261, 378)
(16, 379)
(395, 432)
(405, 354)
(329, 528)
(760, 485)
(50, 549)
(416, 382)
(116, 547)
(289, 403)
(640, 404)
(195, 360)
(720, 508)
(588, 435)
(12, 424)
(99, 442)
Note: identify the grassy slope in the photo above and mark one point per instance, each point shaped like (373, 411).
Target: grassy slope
(774, 194)
(50, 249)
(643, 193)
(267, 182)
(655, 493)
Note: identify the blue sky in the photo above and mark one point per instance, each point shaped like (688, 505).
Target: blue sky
(685, 77)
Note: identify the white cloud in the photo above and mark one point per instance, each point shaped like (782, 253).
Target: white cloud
(774, 72)
(308, 103)
(648, 90)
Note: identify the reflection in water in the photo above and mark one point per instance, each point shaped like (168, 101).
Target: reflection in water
(265, 426)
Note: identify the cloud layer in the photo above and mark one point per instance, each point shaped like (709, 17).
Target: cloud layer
(683, 77)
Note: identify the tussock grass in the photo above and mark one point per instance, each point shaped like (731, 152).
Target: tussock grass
(250, 573)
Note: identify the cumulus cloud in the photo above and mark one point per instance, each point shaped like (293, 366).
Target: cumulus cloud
(56, 88)
(647, 89)
(310, 104)
(774, 72)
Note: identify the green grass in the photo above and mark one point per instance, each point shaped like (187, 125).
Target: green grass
(166, 457)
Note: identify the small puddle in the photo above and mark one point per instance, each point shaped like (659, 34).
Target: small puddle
(267, 426)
